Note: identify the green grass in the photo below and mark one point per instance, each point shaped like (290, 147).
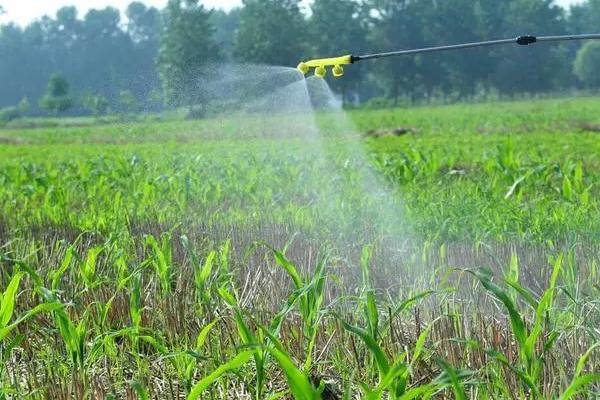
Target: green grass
(255, 258)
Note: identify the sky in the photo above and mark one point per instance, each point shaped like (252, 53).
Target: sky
(24, 11)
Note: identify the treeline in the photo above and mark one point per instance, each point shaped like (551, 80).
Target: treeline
(149, 59)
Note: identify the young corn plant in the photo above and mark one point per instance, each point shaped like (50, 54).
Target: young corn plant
(7, 307)
(256, 341)
(533, 343)
(162, 260)
(309, 294)
(186, 362)
(307, 297)
(247, 337)
(135, 313)
(88, 267)
(75, 338)
(394, 373)
(56, 275)
(298, 381)
(203, 384)
(203, 272)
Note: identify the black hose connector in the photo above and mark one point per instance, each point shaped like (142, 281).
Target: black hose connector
(526, 40)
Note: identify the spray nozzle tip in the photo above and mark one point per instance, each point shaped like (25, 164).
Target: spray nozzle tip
(302, 67)
(320, 71)
(338, 71)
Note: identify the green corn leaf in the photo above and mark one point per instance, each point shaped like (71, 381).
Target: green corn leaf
(203, 335)
(299, 384)
(246, 335)
(41, 308)
(135, 303)
(501, 358)
(380, 358)
(516, 321)
(580, 381)
(579, 384)
(527, 295)
(8, 299)
(227, 296)
(88, 268)
(203, 384)
(139, 390)
(395, 378)
(206, 268)
(454, 378)
(55, 276)
(420, 392)
(161, 260)
(567, 188)
(224, 251)
(544, 306)
(584, 358)
(289, 267)
(365, 260)
(578, 176)
(420, 345)
(372, 314)
(154, 343)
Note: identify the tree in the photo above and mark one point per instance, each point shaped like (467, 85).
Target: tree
(395, 24)
(142, 22)
(8, 114)
(587, 64)
(127, 101)
(584, 17)
(450, 22)
(187, 45)
(96, 52)
(226, 25)
(57, 98)
(272, 32)
(24, 106)
(531, 69)
(97, 104)
(339, 30)
(143, 27)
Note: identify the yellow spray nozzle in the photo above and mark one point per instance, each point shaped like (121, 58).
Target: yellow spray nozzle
(338, 71)
(302, 67)
(320, 66)
(320, 71)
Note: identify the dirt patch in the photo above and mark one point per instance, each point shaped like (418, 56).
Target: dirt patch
(400, 131)
(589, 127)
(11, 140)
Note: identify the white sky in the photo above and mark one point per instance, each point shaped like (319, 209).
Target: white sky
(24, 11)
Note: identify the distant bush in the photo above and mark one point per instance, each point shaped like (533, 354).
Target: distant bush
(57, 98)
(586, 65)
(8, 114)
(127, 102)
(11, 113)
(97, 104)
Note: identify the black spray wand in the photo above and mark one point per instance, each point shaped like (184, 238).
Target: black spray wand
(337, 62)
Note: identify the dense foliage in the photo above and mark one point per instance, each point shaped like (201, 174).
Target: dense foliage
(103, 53)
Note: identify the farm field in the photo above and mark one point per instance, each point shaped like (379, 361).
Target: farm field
(244, 258)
